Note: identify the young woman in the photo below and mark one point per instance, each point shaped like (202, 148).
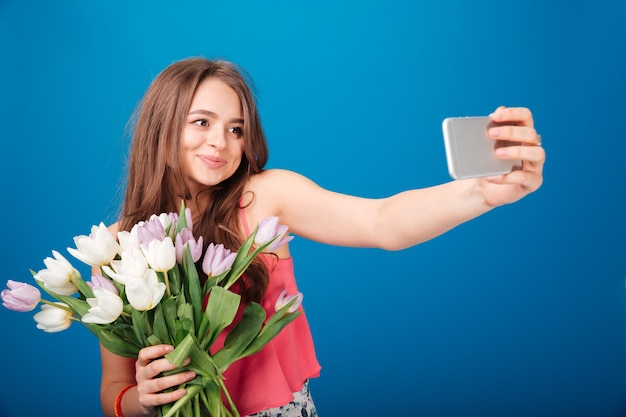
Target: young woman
(197, 136)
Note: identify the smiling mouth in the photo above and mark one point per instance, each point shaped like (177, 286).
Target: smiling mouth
(212, 161)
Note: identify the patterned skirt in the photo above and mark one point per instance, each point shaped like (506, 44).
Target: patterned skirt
(301, 406)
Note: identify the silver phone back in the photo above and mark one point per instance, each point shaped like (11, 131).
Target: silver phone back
(470, 153)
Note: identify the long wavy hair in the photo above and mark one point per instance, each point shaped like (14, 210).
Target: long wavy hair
(155, 181)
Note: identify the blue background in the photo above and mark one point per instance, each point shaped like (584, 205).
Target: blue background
(521, 312)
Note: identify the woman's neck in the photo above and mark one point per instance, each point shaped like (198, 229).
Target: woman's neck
(198, 204)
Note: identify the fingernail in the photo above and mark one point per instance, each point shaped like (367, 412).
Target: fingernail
(502, 152)
(495, 132)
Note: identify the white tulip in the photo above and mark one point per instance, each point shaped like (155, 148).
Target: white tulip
(53, 319)
(59, 275)
(106, 307)
(132, 265)
(97, 249)
(128, 240)
(145, 293)
(161, 254)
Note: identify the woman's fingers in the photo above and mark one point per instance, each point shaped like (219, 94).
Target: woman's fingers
(534, 154)
(523, 134)
(150, 366)
(152, 393)
(520, 116)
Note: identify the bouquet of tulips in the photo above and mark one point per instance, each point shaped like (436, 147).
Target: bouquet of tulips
(148, 292)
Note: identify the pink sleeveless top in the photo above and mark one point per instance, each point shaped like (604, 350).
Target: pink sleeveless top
(268, 378)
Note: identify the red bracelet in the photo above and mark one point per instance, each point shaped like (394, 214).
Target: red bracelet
(117, 407)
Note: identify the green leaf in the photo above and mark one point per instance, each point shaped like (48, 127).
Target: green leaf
(82, 286)
(140, 326)
(200, 361)
(193, 288)
(244, 257)
(174, 281)
(185, 313)
(214, 400)
(220, 311)
(183, 327)
(178, 405)
(283, 311)
(242, 260)
(79, 307)
(159, 326)
(240, 336)
(272, 327)
(268, 332)
(212, 282)
(113, 342)
(153, 340)
(182, 219)
(168, 305)
(125, 331)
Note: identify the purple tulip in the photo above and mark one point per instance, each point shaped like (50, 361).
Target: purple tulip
(217, 260)
(284, 299)
(185, 239)
(150, 230)
(188, 218)
(20, 296)
(268, 229)
(98, 281)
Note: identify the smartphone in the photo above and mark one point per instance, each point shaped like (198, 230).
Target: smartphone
(470, 153)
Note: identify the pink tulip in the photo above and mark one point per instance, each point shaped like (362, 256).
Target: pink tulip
(20, 296)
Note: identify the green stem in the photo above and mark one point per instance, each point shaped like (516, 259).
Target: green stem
(148, 329)
(167, 284)
(57, 305)
(231, 403)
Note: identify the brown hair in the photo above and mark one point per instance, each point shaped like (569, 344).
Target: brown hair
(155, 182)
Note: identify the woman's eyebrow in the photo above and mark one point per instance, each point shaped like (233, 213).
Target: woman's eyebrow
(214, 115)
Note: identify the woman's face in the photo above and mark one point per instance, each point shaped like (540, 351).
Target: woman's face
(212, 140)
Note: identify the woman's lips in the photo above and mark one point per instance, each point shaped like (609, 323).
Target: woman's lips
(212, 161)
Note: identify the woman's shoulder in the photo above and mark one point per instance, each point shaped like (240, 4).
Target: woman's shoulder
(267, 193)
(272, 173)
(114, 228)
(276, 178)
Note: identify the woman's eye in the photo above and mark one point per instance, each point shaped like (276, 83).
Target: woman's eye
(237, 131)
(202, 122)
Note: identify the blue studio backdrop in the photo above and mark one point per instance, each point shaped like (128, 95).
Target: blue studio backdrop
(521, 312)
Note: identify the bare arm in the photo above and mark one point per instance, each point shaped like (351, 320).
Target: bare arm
(396, 222)
(407, 218)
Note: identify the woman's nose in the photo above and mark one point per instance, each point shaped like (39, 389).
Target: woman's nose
(216, 137)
